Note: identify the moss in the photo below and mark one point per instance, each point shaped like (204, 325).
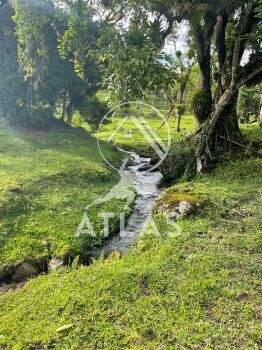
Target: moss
(180, 162)
(175, 195)
(201, 104)
(198, 290)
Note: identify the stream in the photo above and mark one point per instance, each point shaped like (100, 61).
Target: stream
(146, 184)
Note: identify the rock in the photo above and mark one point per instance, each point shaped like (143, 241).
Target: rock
(55, 264)
(182, 210)
(145, 167)
(24, 271)
(185, 208)
(174, 215)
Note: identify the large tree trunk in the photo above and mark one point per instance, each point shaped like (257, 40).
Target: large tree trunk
(70, 111)
(227, 127)
(179, 117)
(203, 99)
(209, 134)
(260, 116)
(64, 105)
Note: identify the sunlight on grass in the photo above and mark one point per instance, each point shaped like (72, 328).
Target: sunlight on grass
(130, 136)
(47, 179)
(178, 292)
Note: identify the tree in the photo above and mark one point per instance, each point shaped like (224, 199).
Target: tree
(249, 103)
(227, 31)
(50, 60)
(80, 44)
(132, 63)
(13, 89)
(38, 28)
(180, 69)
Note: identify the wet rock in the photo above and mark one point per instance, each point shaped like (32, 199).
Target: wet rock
(23, 272)
(55, 264)
(145, 167)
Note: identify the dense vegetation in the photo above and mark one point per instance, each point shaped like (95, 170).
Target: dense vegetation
(64, 66)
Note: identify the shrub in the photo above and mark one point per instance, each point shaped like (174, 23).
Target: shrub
(180, 162)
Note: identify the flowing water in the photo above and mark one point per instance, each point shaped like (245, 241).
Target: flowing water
(145, 183)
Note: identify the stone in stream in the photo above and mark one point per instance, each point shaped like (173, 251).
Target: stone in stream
(24, 271)
(145, 167)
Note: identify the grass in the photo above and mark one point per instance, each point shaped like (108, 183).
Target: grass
(47, 179)
(252, 131)
(130, 137)
(196, 290)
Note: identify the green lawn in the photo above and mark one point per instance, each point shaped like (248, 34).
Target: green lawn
(199, 290)
(252, 131)
(47, 179)
(129, 136)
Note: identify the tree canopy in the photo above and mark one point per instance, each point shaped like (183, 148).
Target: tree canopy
(64, 52)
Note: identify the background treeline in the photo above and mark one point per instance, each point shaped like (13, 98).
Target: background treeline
(58, 57)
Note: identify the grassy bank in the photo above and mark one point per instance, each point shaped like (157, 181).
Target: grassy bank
(47, 179)
(196, 290)
(130, 137)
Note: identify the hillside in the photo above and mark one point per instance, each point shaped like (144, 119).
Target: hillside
(196, 290)
(47, 179)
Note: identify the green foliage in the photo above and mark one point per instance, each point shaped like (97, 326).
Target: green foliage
(93, 111)
(32, 19)
(197, 290)
(201, 103)
(80, 40)
(38, 27)
(249, 103)
(13, 89)
(134, 71)
(51, 83)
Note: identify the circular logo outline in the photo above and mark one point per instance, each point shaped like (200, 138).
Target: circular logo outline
(111, 112)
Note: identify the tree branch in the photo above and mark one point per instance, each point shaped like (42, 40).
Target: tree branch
(220, 39)
(249, 77)
(239, 47)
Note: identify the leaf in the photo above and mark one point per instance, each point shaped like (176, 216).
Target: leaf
(64, 328)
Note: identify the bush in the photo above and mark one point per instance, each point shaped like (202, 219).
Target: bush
(93, 111)
(180, 162)
(249, 104)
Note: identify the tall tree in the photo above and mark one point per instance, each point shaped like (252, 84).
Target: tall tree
(13, 89)
(229, 31)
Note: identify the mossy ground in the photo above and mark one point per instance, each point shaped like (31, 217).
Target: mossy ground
(196, 290)
(47, 179)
